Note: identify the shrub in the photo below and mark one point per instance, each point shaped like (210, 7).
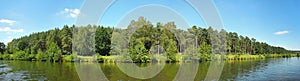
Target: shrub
(68, 58)
(205, 57)
(99, 58)
(5, 56)
(19, 55)
(171, 51)
(139, 53)
(41, 56)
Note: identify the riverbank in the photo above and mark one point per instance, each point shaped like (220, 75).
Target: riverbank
(183, 58)
(157, 58)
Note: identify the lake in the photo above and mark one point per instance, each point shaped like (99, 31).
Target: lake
(287, 69)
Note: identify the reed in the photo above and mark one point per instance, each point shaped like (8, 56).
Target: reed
(244, 57)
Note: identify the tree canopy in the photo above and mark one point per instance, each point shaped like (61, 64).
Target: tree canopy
(55, 43)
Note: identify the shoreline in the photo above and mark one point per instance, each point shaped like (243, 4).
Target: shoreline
(159, 59)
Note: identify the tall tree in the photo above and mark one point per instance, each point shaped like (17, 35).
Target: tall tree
(235, 42)
(140, 34)
(171, 50)
(66, 40)
(2, 47)
(54, 52)
(253, 46)
(138, 52)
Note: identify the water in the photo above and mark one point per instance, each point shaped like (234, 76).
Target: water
(278, 69)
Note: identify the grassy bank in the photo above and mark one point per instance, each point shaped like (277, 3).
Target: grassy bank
(244, 57)
(155, 58)
(281, 55)
(184, 58)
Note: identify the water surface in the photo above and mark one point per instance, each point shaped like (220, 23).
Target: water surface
(255, 70)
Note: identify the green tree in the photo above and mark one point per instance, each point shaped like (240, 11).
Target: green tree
(41, 56)
(103, 40)
(22, 44)
(2, 47)
(52, 44)
(235, 42)
(53, 52)
(205, 51)
(138, 52)
(253, 46)
(171, 51)
(66, 40)
(84, 40)
(205, 48)
(229, 43)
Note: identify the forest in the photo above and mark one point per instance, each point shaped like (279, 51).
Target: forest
(56, 45)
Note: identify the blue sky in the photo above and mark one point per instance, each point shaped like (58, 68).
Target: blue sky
(273, 21)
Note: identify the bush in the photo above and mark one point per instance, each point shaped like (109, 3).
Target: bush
(31, 57)
(5, 56)
(139, 53)
(99, 58)
(157, 58)
(19, 55)
(41, 57)
(205, 57)
(68, 58)
(171, 51)
(230, 57)
(145, 59)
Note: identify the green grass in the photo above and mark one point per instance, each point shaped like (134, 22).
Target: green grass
(178, 58)
(159, 58)
(106, 59)
(183, 58)
(281, 55)
(244, 57)
(95, 58)
(68, 58)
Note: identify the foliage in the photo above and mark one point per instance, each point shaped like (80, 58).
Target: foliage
(84, 40)
(56, 44)
(66, 40)
(171, 51)
(103, 40)
(5, 56)
(41, 56)
(244, 57)
(138, 53)
(54, 53)
(280, 55)
(2, 48)
(68, 58)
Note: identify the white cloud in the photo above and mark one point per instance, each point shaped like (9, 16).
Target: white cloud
(71, 12)
(10, 22)
(281, 32)
(9, 30)
(7, 40)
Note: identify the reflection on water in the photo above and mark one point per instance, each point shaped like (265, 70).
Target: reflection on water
(269, 69)
(285, 69)
(24, 70)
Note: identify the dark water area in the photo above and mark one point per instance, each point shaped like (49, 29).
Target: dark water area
(273, 69)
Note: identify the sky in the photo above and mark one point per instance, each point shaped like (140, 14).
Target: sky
(275, 22)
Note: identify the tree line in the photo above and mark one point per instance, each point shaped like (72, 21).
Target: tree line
(53, 45)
